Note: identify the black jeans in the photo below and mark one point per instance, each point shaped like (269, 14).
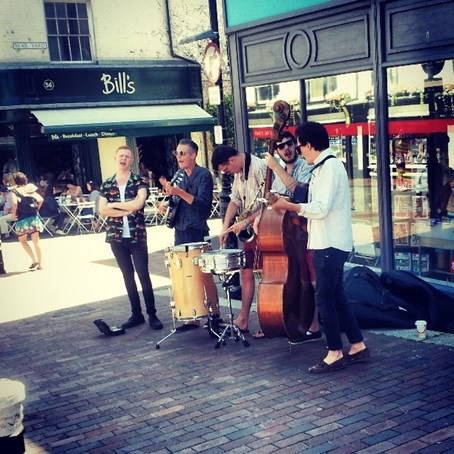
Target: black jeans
(132, 256)
(189, 236)
(331, 300)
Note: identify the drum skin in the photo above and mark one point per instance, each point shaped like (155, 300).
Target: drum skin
(189, 282)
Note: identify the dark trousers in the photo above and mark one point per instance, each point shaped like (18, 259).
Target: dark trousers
(331, 300)
(189, 236)
(130, 257)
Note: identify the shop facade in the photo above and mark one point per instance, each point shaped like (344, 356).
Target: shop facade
(380, 76)
(76, 116)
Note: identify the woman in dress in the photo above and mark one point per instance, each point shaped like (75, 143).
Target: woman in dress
(26, 222)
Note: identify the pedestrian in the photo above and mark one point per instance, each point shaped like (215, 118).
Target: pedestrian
(328, 212)
(122, 200)
(26, 203)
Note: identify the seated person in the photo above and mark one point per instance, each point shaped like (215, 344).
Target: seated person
(93, 189)
(50, 209)
(73, 190)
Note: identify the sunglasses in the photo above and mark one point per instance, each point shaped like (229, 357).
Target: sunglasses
(281, 146)
(180, 153)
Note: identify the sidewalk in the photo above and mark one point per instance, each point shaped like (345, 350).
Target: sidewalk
(89, 393)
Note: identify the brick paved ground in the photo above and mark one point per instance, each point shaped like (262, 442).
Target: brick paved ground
(89, 393)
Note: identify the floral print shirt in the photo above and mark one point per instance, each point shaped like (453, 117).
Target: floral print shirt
(114, 230)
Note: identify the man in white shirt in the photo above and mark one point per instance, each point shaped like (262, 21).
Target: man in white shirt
(249, 175)
(331, 239)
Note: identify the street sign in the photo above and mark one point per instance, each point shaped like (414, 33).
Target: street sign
(218, 136)
(212, 62)
(214, 95)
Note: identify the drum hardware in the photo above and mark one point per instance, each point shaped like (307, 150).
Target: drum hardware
(224, 263)
(193, 295)
(231, 331)
(213, 319)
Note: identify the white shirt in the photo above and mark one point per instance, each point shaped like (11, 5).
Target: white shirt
(247, 192)
(329, 209)
(126, 231)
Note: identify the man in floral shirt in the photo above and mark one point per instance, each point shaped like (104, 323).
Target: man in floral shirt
(122, 200)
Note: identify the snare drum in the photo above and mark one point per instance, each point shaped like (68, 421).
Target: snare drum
(222, 261)
(189, 283)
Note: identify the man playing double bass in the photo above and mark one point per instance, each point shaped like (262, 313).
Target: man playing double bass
(286, 179)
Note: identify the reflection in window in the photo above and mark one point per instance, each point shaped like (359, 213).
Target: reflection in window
(421, 134)
(260, 101)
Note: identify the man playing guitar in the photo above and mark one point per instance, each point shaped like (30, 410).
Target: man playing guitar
(191, 191)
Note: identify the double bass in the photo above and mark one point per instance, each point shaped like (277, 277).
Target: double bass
(285, 297)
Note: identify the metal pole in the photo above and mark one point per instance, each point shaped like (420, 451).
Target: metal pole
(226, 180)
(2, 265)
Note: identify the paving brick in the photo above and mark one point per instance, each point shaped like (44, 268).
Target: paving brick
(90, 393)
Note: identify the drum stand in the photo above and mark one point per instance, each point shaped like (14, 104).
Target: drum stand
(231, 331)
(213, 320)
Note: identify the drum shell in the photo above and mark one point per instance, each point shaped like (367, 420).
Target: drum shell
(189, 283)
(222, 261)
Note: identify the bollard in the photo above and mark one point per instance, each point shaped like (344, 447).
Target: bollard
(12, 394)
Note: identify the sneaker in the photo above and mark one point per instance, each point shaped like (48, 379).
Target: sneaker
(33, 266)
(60, 232)
(134, 320)
(309, 336)
(154, 322)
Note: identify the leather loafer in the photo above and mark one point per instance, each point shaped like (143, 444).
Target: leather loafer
(309, 336)
(134, 320)
(323, 368)
(358, 357)
(155, 323)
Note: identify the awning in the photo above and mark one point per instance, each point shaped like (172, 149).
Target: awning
(99, 122)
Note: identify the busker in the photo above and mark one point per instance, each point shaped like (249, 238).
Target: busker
(331, 240)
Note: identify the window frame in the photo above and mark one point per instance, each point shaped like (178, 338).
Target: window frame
(80, 40)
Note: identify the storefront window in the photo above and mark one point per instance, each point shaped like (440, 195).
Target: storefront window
(343, 107)
(260, 101)
(421, 137)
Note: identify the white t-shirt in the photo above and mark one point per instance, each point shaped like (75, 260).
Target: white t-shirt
(126, 231)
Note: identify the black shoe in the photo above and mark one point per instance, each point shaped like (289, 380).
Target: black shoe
(309, 336)
(107, 330)
(358, 357)
(323, 368)
(134, 320)
(154, 322)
